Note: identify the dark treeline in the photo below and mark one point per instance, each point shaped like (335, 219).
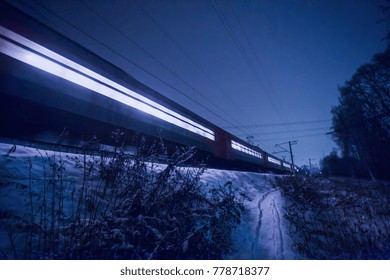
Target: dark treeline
(361, 122)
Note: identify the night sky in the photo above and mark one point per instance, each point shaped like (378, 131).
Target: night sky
(269, 69)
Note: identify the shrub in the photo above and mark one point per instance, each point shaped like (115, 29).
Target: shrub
(123, 206)
(337, 218)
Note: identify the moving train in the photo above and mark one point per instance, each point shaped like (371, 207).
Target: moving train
(48, 82)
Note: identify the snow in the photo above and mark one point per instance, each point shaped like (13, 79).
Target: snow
(260, 235)
(263, 232)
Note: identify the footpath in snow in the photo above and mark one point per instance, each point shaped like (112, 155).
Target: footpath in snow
(262, 233)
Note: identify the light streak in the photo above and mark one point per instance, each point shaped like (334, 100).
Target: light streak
(55, 64)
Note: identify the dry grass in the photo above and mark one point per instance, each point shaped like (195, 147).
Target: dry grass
(338, 218)
(120, 207)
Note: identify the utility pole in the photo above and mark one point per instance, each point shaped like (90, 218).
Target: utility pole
(291, 153)
(290, 143)
(310, 159)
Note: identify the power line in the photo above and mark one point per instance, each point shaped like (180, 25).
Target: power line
(163, 65)
(235, 39)
(299, 136)
(248, 61)
(123, 57)
(160, 63)
(194, 63)
(282, 124)
(290, 131)
(112, 50)
(254, 53)
(290, 143)
(129, 61)
(245, 55)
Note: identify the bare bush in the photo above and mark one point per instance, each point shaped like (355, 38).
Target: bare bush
(338, 218)
(122, 206)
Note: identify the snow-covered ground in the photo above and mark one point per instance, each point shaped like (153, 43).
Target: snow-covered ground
(325, 219)
(261, 233)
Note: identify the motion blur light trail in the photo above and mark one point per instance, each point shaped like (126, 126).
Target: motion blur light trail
(62, 67)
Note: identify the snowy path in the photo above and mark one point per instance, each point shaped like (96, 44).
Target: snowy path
(268, 242)
(262, 233)
(255, 243)
(277, 232)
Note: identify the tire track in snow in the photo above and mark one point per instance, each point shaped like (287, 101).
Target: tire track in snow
(255, 243)
(277, 232)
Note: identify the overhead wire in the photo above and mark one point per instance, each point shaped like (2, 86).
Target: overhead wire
(196, 65)
(233, 36)
(272, 96)
(290, 131)
(245, 55)
(159, 62)
(257, 59)
(129, 61)
(283, 124)
(174, 88)
(111, 49)
(300, 136)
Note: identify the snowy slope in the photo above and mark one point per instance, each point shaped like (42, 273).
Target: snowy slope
(260, 235)
(282, 217)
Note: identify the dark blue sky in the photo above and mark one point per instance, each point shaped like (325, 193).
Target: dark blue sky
(240, 64)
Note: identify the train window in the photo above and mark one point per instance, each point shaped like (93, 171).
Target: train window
(237, 146)
(55, 64)
(273, 160)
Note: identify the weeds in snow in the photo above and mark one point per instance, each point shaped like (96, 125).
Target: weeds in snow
(337, 218)
(121, 207)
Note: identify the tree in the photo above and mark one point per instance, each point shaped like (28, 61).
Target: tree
(333, 165)
(361, 121)
(385, 8)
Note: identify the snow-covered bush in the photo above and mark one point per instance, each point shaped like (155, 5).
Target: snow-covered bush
(157, 212)
(115, 205)
(338, 218)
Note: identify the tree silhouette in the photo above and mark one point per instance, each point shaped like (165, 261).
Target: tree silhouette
(361, 121)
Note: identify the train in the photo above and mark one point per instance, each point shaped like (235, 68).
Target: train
(49, 82)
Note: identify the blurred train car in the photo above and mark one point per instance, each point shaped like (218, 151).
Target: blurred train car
(49, 83)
